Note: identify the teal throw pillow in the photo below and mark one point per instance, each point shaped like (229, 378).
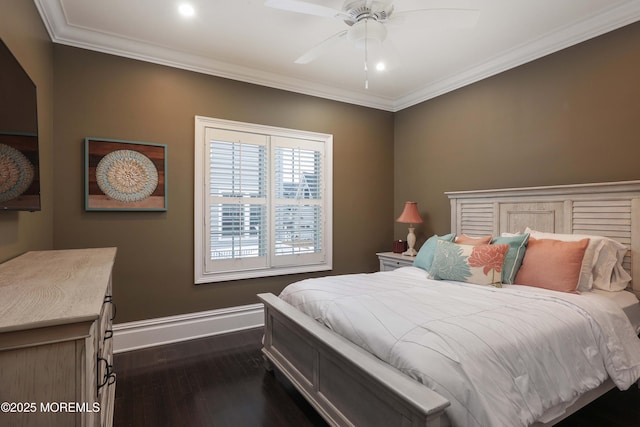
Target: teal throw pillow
(513, 259)
(424, 259)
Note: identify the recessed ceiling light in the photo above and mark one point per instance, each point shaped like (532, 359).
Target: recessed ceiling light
(380, 66)
(186, 9)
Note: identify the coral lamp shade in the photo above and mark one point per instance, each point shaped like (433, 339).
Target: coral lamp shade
(410, 214)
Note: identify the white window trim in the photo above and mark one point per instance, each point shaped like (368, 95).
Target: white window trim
(200, 186)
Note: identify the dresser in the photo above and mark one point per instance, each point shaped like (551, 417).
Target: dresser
(390, 260)
(56, 313)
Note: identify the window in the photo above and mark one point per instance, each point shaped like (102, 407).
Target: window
(262, 203)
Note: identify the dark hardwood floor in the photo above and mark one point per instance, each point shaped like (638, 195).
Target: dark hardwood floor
(216, 381)
(220, 381)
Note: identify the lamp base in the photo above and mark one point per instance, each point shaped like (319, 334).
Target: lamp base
(410, 252)
(411, 241)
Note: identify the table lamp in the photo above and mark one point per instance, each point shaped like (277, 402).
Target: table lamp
(410, 216)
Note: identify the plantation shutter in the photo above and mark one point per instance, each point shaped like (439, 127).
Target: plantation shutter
(262, 201)
(237, 200)
(297, 208)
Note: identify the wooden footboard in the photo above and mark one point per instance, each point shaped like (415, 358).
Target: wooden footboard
(345, 384)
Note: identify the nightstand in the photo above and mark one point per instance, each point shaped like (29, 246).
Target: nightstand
(390, 261)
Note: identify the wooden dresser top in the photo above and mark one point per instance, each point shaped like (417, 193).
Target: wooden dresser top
(48, 288)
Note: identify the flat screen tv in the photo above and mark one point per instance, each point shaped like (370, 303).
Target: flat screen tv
(19, 160)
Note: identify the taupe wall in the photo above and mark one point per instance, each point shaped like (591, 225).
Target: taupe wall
(22, 31)
(571, 117)
(105, 96)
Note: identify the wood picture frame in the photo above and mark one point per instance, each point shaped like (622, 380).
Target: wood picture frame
(125, 175)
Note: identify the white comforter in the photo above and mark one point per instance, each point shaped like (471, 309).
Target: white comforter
(503, 357)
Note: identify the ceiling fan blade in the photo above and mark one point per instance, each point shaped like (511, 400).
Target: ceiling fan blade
(321, 48)
(440, 18)
(306, 8)
(383, 4)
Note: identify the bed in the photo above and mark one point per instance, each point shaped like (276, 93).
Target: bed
(351, 386)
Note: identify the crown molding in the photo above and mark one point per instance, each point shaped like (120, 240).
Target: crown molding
(60, 31)
(571, 35)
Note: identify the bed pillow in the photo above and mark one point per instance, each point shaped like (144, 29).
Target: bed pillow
(463, 239)
(552, 264)
(602, 264)
(424, 259)
(478, 264)
(618, 281)
(513, 259)
(608, 273)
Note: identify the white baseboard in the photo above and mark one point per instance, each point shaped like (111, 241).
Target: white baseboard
(165, 330)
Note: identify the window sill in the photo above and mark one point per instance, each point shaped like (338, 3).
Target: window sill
(201, 278)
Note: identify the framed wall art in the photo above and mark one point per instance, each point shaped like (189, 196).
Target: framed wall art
(125, 175)
(19, 172)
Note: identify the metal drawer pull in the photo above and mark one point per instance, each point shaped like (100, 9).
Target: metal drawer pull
(106, 363)
(111, 379)
(108, 299)
(109, 376)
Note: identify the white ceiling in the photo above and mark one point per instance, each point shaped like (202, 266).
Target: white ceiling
(245, 40)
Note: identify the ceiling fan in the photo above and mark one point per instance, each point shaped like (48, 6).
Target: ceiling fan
(368, 19)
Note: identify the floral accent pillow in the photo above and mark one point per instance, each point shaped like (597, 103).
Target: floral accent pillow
(479, 264)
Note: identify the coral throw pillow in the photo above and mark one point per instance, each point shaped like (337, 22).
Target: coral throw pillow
(463, 239)
(552, 264)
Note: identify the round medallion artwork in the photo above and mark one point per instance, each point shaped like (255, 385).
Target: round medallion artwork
(16, 173)
(127, 176)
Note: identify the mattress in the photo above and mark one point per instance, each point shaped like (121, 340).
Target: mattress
(627, 301)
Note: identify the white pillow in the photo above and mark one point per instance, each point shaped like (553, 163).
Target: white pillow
(608, 273)
(619, 280)
(602, 262)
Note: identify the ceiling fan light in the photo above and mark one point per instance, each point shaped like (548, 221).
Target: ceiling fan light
(186, 10)
(368, 29)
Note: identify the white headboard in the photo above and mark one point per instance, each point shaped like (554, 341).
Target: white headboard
(609, 209)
